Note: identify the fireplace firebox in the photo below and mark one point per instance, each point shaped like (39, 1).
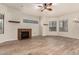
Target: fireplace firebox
(24, 34)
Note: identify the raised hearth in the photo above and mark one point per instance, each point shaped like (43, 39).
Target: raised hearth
(24, 34)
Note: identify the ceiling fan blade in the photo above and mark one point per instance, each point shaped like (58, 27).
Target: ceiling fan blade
(39, 6)
(50, 4)
(49, 9)
(42, 10)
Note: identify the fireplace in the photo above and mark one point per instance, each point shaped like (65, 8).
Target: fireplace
(24, 34)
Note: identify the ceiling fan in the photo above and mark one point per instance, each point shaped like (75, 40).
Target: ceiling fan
(46, 6)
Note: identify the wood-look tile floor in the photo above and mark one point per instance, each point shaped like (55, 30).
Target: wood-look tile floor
(41, 46)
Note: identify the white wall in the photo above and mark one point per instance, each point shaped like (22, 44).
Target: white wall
(73, 28)
(10, 29)
(34, 27)
(45, 29)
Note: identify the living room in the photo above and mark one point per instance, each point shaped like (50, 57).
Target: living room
(32, 24)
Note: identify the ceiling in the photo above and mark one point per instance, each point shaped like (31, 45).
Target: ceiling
(58, 9)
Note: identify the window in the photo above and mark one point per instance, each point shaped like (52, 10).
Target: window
(1, 24)
(30, 21)
(52, 26)
(63, 26)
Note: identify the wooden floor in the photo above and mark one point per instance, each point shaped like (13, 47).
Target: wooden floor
(41, 46)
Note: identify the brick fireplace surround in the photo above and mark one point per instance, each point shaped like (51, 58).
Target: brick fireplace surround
(24, 34)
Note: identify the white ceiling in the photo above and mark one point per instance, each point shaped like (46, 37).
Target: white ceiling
(58, 9)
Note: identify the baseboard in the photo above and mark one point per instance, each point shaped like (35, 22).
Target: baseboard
(62, 36)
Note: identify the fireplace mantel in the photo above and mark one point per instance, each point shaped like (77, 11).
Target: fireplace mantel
(24, 30)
